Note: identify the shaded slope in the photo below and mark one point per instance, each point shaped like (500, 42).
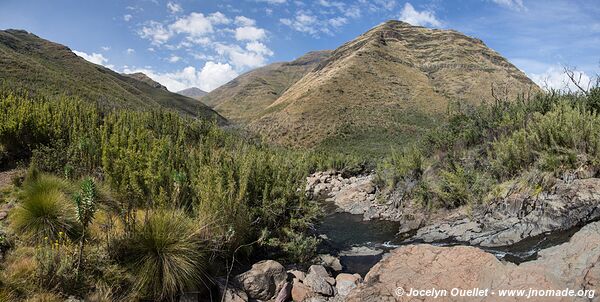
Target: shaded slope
(47, 68)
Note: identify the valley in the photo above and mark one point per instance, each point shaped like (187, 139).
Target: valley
(406, 158)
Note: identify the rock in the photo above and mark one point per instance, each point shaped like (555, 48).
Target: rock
(573, 265)
(285, 293)
(300, 292)
(231, 294)
(519, 216)
(298, 274)
(346, 282)
(316, 279)
(3, 215)
(73, 299)
(319, 270)
(331, 262)
(264, 280)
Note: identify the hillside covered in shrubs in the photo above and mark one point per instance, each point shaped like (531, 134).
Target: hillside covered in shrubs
(126, 205)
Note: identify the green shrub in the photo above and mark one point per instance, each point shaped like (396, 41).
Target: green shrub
(46, 209)
(166, 253)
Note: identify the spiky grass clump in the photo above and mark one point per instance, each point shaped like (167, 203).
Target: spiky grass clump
(166, 253)
(45, 210)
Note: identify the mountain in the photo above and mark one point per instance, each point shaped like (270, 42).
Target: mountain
(47, 68)
(247, 96)
(385, 88)
(193, 92)
(146, 79)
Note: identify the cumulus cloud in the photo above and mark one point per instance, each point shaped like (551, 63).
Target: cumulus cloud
(105, 48)
(130, 51)
(174, 8)
(95, 58)
(253, 55)
(512, 4)
(174, 59)
(423, 18)
(155, 32)
(556, 78)
(211, 76)
(194, 24)
(127, 17)
(303, 22)
(249, 33)
(244, 21)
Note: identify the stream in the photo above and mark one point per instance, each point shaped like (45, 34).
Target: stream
(361, 244)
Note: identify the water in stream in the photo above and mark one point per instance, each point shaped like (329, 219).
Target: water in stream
(344, 231)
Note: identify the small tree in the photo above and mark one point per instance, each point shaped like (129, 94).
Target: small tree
(86, 207)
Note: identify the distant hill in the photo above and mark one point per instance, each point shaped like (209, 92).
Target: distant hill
(193, 92)
(40, 66)
(246, 97)
(384, 88)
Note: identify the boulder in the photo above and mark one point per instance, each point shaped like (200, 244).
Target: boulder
(346, 282)
(285, 293)
(264, 280)
(317, 280)
(573, 265)
(301, 292)
(300, 275)
(330, 261)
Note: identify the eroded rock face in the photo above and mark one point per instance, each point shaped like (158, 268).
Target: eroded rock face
(520, 216)
(572, 265)
(264, 281)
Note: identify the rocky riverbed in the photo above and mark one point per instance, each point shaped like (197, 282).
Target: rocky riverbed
(552, 235)
(574, 265)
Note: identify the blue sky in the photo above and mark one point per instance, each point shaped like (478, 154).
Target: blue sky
(183, 43)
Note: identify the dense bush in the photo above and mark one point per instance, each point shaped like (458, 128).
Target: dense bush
(480, 147)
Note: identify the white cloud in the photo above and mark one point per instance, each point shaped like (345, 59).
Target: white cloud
(155, 32)
(130, 51)
(214, 75)
(174, 8)
(512, 4)
(127, 17)
(556, 78)
(211, 76)
(174, 59)
(249, 33)
(244, 21)
(218, 18)
(303, 22)
(195, 24)
(338, 21)
(105, 48)
(95, 58)
(259, 48)
(253, 55)
(422, 18)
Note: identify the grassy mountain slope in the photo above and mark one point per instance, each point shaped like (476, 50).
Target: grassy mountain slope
(193, 92)
(46, 68)
(386, 87)
(246, 97)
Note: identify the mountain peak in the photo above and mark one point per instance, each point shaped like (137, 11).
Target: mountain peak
(193, 92)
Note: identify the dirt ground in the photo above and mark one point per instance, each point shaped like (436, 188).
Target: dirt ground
(7, 176)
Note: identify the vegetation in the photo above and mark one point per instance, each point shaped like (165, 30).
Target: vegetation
(129, 204)
(470, 158)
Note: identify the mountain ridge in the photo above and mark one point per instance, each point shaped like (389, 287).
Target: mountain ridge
(386, 87)
(41, 66)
